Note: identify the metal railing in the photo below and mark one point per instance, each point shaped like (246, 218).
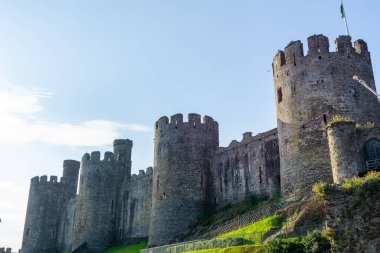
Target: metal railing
(372, 164)
(256, 239)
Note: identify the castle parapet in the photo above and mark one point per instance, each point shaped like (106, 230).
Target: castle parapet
(194, 122)
(318, 47)
(44, 180)
(95, 158)
(318, 44)
(142, 174)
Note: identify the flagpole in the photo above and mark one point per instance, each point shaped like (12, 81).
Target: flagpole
(344, 16)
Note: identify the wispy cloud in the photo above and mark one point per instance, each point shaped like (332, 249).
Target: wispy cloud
(20, 122)
(13, 207)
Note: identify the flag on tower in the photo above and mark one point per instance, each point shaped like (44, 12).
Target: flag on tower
(343, 13)
(342, 9)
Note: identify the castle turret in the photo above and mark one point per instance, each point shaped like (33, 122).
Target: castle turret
(309, 90)
(122, 150)
(70, 174)
(342, 139)
(47, 200)
(98, 198)
(182, 153)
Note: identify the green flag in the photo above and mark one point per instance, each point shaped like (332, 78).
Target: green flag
(342, 10)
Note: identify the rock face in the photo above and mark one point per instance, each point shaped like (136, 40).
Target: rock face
(309, 90)
(355, 219)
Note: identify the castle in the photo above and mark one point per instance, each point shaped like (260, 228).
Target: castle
(191, 173)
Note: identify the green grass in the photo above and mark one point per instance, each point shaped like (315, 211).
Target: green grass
(132, 248)
(231, 211)
(368, 183)
(236, 249)
(339, 118)
(255, 231)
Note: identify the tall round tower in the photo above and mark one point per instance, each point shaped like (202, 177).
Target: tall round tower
(70, 173)
(182, 153)
(98, 198)
(309, 91)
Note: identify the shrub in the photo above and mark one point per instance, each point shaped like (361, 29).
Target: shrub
(339, 118)
(371, 183)
(368, 125)
(316, 242)
(290, 245)
(322, 188)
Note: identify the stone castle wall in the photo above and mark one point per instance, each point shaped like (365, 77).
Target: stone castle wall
(309, 90)
(136, 210)
(192, 173)
(251, 166)
(182, 152)
(46, 201)
(98, 200)
(347, 145)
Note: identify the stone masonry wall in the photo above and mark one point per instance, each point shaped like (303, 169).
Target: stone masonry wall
(251, 166)
(66, 226)
(347, 148)
(182, 154)
(137, 203)
(46, 200)
(97, 201)
(46, 204)
(309, 90)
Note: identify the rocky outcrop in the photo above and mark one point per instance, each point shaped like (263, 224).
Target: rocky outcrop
(354, 216)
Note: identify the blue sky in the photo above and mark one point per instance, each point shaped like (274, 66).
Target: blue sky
(74, 75)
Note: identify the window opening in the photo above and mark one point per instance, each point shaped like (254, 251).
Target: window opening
(279, 95)
(372, 155)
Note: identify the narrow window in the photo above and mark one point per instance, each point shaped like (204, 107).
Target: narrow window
(112, 205)
(324, 119)
(294, 59)
(158, 182)
(279, 95)
(260, 176)
(27, 232)
(201, 181)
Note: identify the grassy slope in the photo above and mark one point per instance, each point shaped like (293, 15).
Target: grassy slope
(229, 212)
(256, 230)
(133, 248)
(237, 249)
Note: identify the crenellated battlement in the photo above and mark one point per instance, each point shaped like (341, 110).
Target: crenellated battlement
(44, 179)
(319, 48)
(142, 174)
(95, 157)
(246, 140)
(194, 122)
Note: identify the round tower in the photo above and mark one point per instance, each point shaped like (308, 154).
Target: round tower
(182, 153)
(98, 198)
(343, 147)
(42, 215)
(122, 150)
(70, 174)
(310, 90)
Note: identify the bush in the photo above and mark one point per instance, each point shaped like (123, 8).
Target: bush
(370, 183)
(339, 118)
(290, 245)
(316, 242)
(322, 188)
